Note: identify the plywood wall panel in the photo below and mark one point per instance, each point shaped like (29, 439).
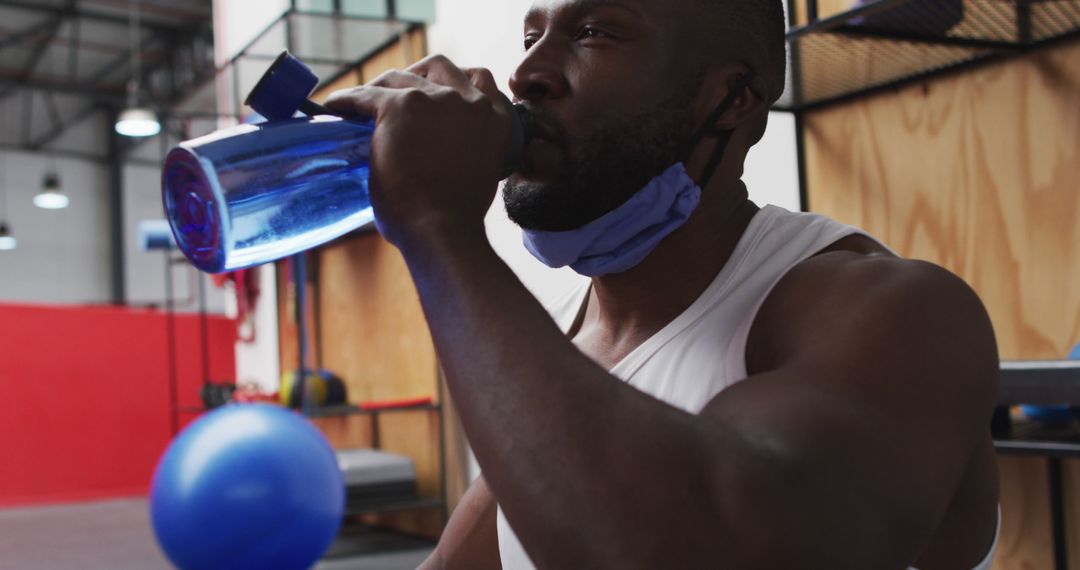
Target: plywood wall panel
(1025, 531)
(374, 332)
(350, 78)
(826, 8)
(979, 173)
(404, 54)
(349, 432)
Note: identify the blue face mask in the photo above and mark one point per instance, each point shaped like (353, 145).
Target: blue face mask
(625, 236)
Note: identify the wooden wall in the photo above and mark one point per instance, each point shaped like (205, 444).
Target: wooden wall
(826, 8)
(373, 334)
(980, 173)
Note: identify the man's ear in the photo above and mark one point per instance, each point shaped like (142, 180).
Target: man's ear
(749, 104)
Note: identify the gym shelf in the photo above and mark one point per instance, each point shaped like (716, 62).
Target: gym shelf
(358, 539)
(393, 505)
(1033, 438)
(1045, 382)
(354, 410)
(347, 410)
(884, 44)
(1041, 382)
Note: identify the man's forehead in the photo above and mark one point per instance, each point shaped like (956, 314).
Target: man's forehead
(544, 9)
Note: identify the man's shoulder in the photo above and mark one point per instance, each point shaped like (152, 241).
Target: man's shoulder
(866, 278)
(870, 283)
(866, 299)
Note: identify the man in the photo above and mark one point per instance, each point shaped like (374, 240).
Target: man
(735, 387)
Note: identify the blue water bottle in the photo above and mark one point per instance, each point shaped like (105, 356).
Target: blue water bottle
(252, 194)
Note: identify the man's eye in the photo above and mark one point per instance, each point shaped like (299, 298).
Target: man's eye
(589, 33)
(530, 41)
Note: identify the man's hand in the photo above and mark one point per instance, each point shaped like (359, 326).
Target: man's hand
(440, 142)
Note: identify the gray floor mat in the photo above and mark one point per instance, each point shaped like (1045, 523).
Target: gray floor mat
(116, 535)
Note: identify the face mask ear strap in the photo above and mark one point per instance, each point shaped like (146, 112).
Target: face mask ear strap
(714, 162)
(722, 108)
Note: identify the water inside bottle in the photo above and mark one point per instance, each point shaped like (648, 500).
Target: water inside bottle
(257, 193)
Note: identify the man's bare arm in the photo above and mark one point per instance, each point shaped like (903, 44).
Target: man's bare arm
(470, 540)
(592, 472)
(872, 384)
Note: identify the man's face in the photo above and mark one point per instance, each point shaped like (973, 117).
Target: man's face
(613, 101)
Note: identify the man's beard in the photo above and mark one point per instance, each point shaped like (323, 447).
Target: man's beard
(601, 172)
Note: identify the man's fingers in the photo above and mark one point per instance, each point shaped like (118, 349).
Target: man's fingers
(399, 79)
(439, 69)
(366, 100)
(350, 101)
(432, 75)
(483, 80)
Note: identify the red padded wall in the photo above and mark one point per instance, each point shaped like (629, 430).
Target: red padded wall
(84, 397)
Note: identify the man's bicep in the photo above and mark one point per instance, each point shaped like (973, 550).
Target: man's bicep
(905, 342)
(470, 540)
(820, 471)
(862, 423)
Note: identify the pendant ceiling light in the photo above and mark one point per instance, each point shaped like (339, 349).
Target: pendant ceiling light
(51, 197)
(135, 120)
(138, 122)
(7, 241)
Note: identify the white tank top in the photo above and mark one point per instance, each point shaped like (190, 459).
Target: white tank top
(702, 351)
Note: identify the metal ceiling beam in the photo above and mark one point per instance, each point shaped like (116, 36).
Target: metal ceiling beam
(83, 156)
(24, 33)
(73, 53)
(125, 59)
(147, 7)
(97, 16)
(89, 87)
(54, 27)
(59, 153)
(53, 134)
(54, 111)
(84, 44)
(65, 88)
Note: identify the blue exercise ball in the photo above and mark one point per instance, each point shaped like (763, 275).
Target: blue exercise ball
(247, 486)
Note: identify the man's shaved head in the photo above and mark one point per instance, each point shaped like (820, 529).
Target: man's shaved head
(751, 31)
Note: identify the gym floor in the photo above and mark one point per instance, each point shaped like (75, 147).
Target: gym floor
(116, 535)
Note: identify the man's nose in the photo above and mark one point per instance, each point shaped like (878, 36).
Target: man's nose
(540, 76)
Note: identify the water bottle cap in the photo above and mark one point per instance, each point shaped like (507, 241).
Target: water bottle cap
(282, 89)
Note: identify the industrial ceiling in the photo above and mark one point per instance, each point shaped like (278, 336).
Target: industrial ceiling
(65, 66)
